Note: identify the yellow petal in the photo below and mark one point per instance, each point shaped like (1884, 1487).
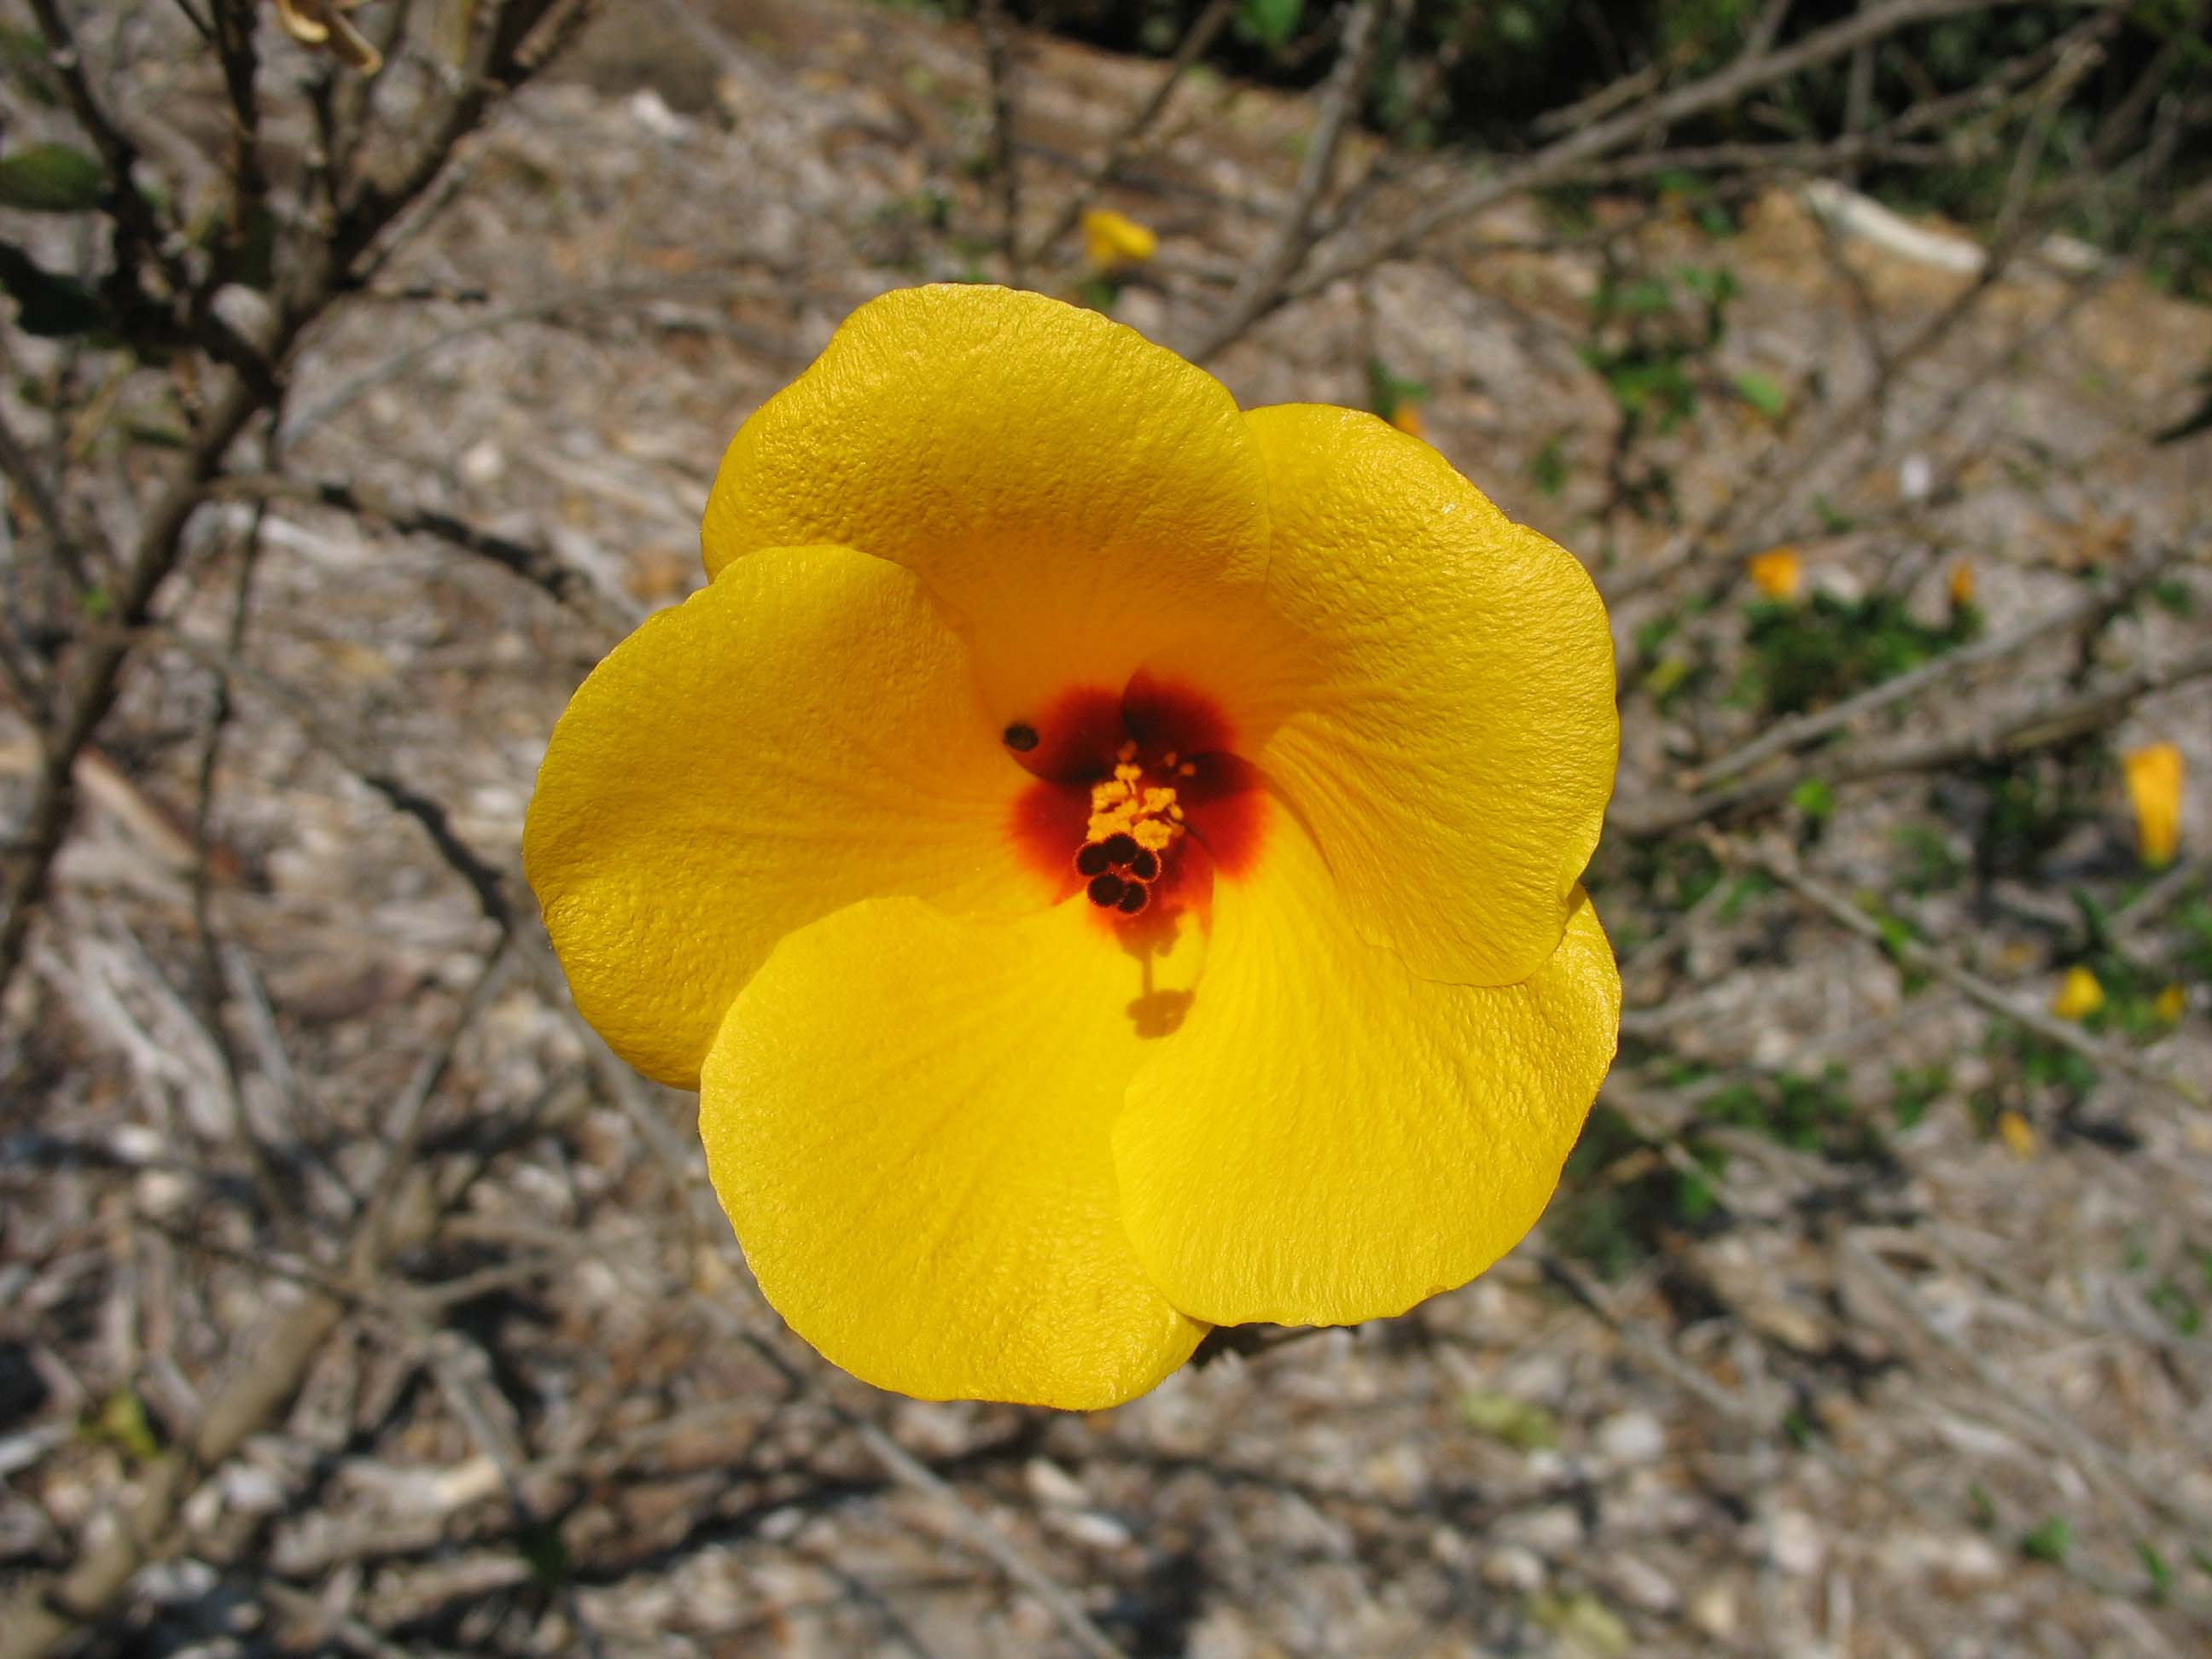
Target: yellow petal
(1777, 573)
(907, 1119)
(2079, 995)
(1080, 498)
(2154, 774)
(1111, 238)
(799, 734)
(1442, 718)
(1329, 1138)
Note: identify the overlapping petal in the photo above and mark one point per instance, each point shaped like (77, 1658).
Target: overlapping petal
(908, 1117)
(1082, 499)
(801, 733)
(1329, 1138)
(1443, 715)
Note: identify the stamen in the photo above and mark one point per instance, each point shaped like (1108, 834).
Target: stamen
(1108, 890)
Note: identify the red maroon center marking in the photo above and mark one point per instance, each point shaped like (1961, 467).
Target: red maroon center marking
(1074, 742)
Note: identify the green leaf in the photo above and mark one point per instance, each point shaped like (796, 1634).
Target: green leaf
(2052, 1541)
(1763, 393)
(46, 304)
(2162, 1575)
(123, 1421)
(1584, 1624)
(1548, 471)
(1814, 798)
(50, 179)
(1272, 22)
(1519, 1423)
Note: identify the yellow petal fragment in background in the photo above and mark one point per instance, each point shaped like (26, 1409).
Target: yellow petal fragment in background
(2154, 774)
(907, 1119)
(2079, 995)
(1080, 498)
(1329, 1138)
(800, 734)
(1407, 417)
(1778, 572)
(1111, 238)
(1444, 719)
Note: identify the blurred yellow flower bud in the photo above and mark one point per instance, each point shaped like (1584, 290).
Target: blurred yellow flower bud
(2017, 1134)
(1777, 573)
(322, 25)
(2171, 1001)
(1962, 584)
(1111, 238)
(2079, 995)
(2154, 774)
(1407, 417)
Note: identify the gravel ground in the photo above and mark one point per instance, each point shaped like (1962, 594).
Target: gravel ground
(1948, 1396)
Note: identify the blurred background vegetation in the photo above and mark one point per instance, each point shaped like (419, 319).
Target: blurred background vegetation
(1513, 71)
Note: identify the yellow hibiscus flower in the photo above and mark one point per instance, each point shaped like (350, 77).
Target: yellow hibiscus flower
(1108, 860)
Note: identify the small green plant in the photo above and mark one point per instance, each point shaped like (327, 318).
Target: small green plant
(2052, 1541)
(1805, 655)
(1913, 1089)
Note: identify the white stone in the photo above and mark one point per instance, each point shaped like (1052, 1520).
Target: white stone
(1795, 1542)
(1514, 1569)
(1632, 1438)
(1643, 1585)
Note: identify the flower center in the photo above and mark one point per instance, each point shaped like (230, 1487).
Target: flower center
(1133, 830)
(1139, 798)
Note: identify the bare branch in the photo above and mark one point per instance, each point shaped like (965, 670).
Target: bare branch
(1928, 959)
(2084, 615)
(535, 565)
(1565, 156)
(1123, 144)
(1263, 284)
(2053, 720)
(999, 48)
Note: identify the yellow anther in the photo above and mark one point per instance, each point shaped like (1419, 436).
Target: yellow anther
(1124, 805)
(1168, 760)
